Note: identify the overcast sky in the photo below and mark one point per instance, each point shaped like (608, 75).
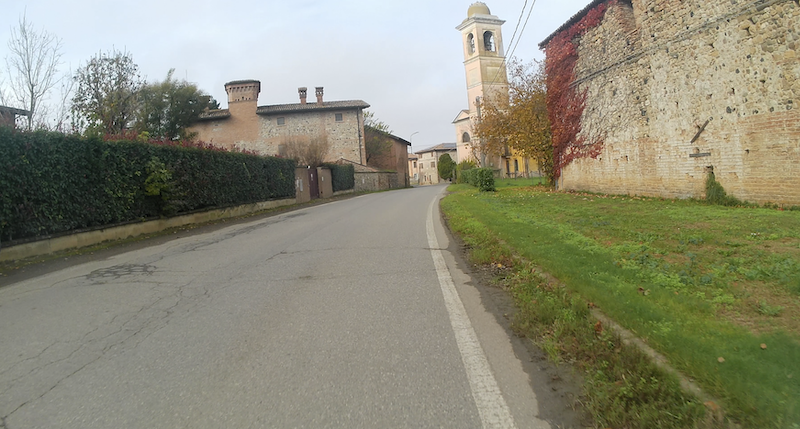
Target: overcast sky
(404, 58)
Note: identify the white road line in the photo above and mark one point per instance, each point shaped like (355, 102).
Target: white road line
(492, 407)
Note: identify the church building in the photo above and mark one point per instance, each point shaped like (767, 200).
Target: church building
(484, 64)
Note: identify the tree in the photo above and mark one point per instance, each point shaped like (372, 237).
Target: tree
(373, 122)
(32, 66)
(310, 151)
(447, 167)
(519, 121)
(106, 99)
(167, 108)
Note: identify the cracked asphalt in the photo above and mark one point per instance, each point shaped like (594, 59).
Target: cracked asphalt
(329, 316)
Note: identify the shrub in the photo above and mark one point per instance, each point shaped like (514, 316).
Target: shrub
(715, 193)
(52, 183)
(462, 167)
(484, 178)
(481, 178)
(343, 176)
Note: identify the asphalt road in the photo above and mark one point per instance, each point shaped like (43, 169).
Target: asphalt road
(349, 314)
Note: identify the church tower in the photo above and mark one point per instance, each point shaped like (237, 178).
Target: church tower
(484, 64)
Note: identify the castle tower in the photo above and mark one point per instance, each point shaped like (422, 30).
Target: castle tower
(243, 91)
(482, 41)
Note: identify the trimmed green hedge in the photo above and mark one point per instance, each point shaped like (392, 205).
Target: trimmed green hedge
(343, 176)
(52, 183)
(481, 178)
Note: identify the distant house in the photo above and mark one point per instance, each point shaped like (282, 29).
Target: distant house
(272, 129)
(392, 154)
(413, 169)
(428, 163)
(8, 116)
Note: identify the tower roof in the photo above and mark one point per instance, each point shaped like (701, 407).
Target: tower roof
(478, 8)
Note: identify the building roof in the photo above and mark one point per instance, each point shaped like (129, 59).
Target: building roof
(462, 115)
(14, 110)
(575, 18)
(412, 156)
(442, 147)
(214, 114)
(242, 82)
(389, 135)
(311, 107)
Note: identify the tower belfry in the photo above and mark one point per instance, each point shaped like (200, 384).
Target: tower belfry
(484, 64)
(483, 55)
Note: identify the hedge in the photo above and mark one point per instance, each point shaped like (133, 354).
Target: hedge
(481, 178)
(343, 176)
(52, 183)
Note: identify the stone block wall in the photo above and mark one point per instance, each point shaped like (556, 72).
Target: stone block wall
(377, 181)
(678, 88)
(345, 138)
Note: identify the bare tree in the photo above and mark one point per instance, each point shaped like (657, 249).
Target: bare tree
(32, 66)
(307, 151)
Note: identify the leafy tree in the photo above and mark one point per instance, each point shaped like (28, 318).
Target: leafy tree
(519, 121)
(447, 167)
(106, 100)
(167, 108)
(373, 122)
(32, 64)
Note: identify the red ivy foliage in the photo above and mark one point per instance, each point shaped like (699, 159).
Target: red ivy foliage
(565, 103)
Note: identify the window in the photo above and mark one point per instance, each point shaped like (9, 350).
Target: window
(465, 138)
(433, 165)
(415, 164)
(488, 41)
(470, 43)
(339, 117)
(516, 165)
(281, 120)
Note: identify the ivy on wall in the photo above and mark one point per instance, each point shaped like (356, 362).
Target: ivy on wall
(565, 101)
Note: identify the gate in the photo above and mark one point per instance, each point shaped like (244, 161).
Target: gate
(313, 183)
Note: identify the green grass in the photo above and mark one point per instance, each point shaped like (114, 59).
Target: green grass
(695, 281)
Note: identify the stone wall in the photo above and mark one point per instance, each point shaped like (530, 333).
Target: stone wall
(676, 89)
(345, 137)
(377, 181)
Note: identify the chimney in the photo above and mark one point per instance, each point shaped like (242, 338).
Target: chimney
(319, 95)
(302, 91)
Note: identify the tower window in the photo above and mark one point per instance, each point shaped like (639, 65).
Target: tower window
(488, 41)
(339, 117)
(471, 43)
(465, 138)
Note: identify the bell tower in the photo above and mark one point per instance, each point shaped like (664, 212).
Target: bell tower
(484, 64)
(484, 57)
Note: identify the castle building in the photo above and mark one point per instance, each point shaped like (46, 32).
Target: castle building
(274, 129)
(676, 90)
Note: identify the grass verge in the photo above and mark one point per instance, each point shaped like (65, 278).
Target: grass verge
(715, 289)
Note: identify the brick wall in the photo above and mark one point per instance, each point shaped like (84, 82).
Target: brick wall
(675, 88)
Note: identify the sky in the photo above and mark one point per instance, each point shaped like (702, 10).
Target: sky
(404, 58)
